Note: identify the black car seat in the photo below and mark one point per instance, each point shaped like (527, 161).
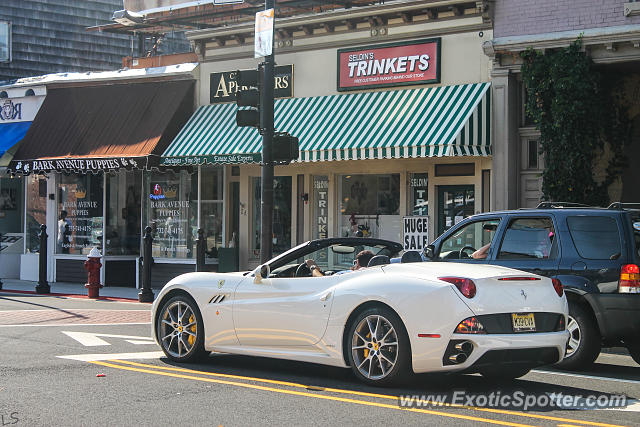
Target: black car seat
(378, 260)
(411, 256)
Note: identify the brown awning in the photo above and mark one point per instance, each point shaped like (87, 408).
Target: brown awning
(104, 127)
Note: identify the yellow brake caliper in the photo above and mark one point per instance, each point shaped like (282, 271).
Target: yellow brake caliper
(366, 350)
(192, 338)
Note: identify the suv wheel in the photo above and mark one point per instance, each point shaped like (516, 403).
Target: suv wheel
(584, 342)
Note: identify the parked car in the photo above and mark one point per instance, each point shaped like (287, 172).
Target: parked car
(383, 321)
(594, 252)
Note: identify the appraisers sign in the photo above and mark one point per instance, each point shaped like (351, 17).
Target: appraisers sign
(224, 85)
(394, 64)
(415, 233)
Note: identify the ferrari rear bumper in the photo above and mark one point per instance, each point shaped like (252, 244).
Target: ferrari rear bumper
(524, 350)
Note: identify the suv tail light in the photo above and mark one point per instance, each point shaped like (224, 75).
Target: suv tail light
(465, 286)
(629, 279)
(557, 285)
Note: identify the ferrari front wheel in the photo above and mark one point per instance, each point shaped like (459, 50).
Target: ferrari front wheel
(180, 329)
(379, 349)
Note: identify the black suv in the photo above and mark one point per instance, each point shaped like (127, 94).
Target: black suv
(594, 252)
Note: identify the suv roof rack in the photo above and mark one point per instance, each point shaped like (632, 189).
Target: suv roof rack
(620, 205)
(554, 205)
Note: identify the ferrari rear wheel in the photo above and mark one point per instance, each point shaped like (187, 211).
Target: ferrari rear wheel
(180, 329)
(379, 347)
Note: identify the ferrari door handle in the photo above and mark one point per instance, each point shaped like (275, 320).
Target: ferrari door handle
(326, 296)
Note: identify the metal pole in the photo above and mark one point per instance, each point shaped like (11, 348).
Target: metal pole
(43, 286)
(146, 294)
(266, 111)
(200, 248)
(1, 254)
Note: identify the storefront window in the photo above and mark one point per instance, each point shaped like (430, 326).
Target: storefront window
(11, 205)
(171, 210)
(36, 210)
(281, 215)
(211, 209)
(79, 222)
(369, 206)
(455, 203)
(123, 213)
(418, 194)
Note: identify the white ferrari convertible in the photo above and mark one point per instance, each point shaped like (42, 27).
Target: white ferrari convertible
(384, 321)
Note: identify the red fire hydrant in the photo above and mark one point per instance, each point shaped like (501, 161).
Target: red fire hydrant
(93, 265)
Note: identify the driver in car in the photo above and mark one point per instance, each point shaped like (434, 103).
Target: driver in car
(361, 261)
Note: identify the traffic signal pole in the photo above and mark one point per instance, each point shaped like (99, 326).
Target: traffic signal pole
(266, 119)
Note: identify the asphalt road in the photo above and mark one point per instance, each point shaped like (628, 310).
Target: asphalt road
(51, 358)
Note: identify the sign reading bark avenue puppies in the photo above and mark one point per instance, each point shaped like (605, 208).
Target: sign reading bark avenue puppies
(394, 64)
(81, 165)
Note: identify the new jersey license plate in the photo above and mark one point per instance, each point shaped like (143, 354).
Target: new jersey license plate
(523, 322)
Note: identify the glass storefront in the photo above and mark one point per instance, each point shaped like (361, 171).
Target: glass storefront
(170, 208)
(211, 209)
(369, 206)
(80, 210)
(123, 229)
(282, 191)
(11, 215)
(455, 203)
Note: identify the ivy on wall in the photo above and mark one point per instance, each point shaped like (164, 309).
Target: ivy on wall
(578, 111)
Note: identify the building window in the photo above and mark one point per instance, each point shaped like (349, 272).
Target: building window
(533, 154)
(211, 205)
(123, 228)
(418, 194)
(5, 41)
(79, 222)
(170, 208)
(281, 227)
(370, 206)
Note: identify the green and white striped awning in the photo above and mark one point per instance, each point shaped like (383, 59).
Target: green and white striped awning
(439, 121)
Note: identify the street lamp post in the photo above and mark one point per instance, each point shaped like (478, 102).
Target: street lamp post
(266, 110)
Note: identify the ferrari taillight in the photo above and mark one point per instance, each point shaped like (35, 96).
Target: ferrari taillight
(629, 279)
(465, 286)
(470, 325)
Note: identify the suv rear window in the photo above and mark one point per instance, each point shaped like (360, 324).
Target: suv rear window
(595, 237)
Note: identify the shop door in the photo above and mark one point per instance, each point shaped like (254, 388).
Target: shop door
(455, 202)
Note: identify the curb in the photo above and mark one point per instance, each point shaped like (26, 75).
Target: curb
(55, 294)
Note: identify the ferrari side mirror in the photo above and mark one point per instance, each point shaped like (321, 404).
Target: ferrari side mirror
(262, 272)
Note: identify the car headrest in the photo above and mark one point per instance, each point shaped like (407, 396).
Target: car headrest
(411, 256)
(378, 260)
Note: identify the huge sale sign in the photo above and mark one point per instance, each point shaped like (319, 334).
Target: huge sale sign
(394, 64)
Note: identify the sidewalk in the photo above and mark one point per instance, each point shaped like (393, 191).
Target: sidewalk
(71, 289)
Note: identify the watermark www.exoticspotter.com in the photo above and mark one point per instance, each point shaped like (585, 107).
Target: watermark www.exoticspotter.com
(514, 400)
(8, 418)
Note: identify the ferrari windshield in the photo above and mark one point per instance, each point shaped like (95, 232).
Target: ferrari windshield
(335, 254)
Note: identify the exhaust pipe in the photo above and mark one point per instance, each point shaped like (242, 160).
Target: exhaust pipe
(458, 358)
(465, 347)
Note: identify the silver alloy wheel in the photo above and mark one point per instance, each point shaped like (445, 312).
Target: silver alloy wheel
(575, 336)
(374, 347)
(178, 329)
